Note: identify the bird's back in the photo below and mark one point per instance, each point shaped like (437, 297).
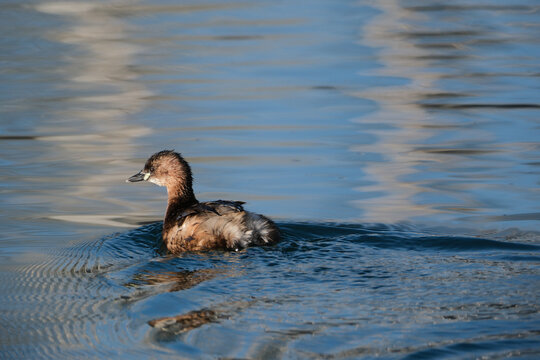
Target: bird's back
(218, 225)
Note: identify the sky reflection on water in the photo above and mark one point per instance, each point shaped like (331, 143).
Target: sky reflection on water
(382, 113)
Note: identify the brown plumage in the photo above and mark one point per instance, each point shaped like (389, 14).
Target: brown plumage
(190, 225)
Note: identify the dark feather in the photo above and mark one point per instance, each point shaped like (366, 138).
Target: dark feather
(217, 207)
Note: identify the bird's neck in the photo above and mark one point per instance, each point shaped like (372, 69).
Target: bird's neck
(178, 200)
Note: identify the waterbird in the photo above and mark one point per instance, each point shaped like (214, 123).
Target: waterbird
(191, 225)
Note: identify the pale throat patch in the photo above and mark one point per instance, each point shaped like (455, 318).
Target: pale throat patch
(153, 180)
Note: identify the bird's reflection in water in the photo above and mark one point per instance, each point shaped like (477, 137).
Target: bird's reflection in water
(174, 280)
(149, 283)
(185, 322)
(178, 324)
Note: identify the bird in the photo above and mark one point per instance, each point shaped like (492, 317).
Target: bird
(190, 225)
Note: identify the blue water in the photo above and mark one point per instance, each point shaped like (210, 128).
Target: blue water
(395, 143)
(327, 290)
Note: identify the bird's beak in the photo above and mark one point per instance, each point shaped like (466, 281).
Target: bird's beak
(140, 176)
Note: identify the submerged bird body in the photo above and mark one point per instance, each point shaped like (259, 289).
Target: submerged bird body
(191, 225)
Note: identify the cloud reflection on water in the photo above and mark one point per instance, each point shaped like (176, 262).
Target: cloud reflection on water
(102, 87)
(440, 156)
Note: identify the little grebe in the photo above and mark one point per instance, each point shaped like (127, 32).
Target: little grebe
(191, 225)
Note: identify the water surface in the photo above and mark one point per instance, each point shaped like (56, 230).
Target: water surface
(395, 142)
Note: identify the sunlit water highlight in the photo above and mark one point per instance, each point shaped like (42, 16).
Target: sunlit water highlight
(395, 142)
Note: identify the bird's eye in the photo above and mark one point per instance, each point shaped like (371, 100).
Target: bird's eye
(151, 169)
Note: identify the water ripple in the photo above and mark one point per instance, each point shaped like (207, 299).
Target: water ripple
(112, 293)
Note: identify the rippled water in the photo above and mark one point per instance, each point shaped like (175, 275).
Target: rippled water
(395, 142)
(327, 290)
